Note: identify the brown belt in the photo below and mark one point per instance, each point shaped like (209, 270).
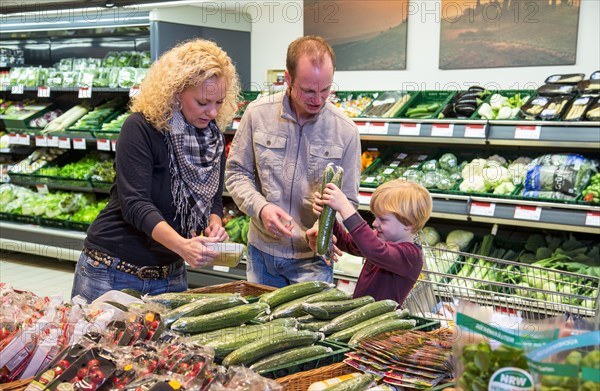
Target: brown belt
(142, 272)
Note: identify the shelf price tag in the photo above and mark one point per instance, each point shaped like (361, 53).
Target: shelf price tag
(13, 139)
(24, 139)
(43, 92)
(475, 131)
(236, 123)
(103, 145)
(18, 89)
(363, 127)
(364, 198)
(483, 209)
(528, 132)
(378, 128)
(84, 92)
(532, 213)
(442, 130)
(133, 91)
(79, 143)
(64, 142)
(223, 269)
(52, 141)
(113, 145)
(41, 141)
(592, 219)
(42, 188)
(410, 129)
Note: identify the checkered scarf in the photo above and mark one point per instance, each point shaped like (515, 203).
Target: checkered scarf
(195, 165)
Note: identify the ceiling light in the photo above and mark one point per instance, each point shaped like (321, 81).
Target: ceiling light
(109, 3)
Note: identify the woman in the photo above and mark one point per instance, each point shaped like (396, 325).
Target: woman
(168, 188)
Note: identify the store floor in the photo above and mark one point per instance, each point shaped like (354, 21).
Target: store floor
(40, 275)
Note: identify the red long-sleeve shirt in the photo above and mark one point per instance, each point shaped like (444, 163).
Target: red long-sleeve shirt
(390, 269)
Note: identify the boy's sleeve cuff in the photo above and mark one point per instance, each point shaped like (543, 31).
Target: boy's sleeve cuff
(353, 221)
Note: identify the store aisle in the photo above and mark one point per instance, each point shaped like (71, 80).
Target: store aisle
(43, 276)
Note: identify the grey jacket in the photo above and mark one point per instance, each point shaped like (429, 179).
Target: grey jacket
(275, 160)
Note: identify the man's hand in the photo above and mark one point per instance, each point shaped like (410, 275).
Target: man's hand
(311, 238)
(276, 221)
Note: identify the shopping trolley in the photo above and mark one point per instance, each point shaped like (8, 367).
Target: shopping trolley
(529, 291)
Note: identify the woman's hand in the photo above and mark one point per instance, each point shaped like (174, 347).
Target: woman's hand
(215, 229)
(195, 253)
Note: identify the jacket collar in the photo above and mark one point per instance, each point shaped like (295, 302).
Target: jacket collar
(288, 113)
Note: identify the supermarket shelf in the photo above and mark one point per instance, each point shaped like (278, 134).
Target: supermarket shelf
(6, 88)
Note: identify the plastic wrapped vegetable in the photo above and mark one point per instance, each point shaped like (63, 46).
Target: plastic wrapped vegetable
(563, 173)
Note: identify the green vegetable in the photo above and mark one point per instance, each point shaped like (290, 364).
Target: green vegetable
(331, 309)
(294, 307)
(383, 327)
(288, 357)
(359, 383)
(327, 217)
(291, 292)
(224, 318)
(430, 236)
(461, 238)
(347, 333)
(203, 306)
(359, 315)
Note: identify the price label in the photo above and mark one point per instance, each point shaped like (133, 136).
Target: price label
(133, 91)
(113, 145)
(410, 129)
(85, 92)
(18, 89)
(363, 127)
(364, 198)
(42, 188)
(532, 213)
(41, 141)
(103, 145)
(79, 143)
(64, 143)
(236, 124)
(475, 131)
(24, 139)
(592, 219)
(224, 269)
(52, 141)
(13, 139)
(379, 127)
(43, 92)
(483, 209)
(442, 130)
(528, 132)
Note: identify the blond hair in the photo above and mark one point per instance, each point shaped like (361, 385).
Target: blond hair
(314, 47)
(188, 64)
(410, 202)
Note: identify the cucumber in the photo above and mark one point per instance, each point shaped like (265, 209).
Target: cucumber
(312, 326)
(132, 292)
(243, 336)
(291, 292)
(327, 217)
(235, 332)
(288, 357)
(359, 383)
(203, 306)
(331, 309)
(119, 306)
(254, 351)
(216, 320)
(175, 299)
(345, 334)
(388, 325)
(306, 319)
(294, 307)
(358, 315)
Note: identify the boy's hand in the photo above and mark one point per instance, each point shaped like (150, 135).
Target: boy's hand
(337, 200)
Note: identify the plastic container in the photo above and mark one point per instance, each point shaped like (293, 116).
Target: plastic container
(230, 254)
(388, 104)
(440, 98)
(578, 108)
(572, 78)
(353, 103)
(507, 94)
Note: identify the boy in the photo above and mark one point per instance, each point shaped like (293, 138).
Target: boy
(392, 261)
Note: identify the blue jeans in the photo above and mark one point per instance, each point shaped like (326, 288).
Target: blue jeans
(267, 269)
(92, 281)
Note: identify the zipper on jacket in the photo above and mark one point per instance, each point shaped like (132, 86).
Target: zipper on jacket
(294, 180)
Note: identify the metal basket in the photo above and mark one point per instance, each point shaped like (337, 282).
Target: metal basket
(496, 283)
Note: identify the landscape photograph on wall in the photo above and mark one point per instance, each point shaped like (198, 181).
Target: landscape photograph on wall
(508, 33)
(365, 35)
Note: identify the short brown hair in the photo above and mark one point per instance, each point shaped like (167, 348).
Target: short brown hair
(313, 46)
(410, 202)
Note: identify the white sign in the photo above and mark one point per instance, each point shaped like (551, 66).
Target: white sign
(442, 130)
(363, 127)
(483, 209)
(528, 132)
(41, 141)
(79, 143)
(84, 92)
(532, 213)
(13, 139)
(52, 141)
(364, 199)
(236, 123)
(24, 139)
(475, 131)
(103, 145)
(18, 89)
(379, 128)
(133, 91)
(410, 129)
(43, 92)
(113, 145)
(224, 269)
(42, 188)
(593, 219)
(64, 143)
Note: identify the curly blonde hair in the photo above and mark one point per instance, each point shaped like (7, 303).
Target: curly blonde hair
(188, 64)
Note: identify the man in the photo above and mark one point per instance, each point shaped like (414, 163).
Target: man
(276, 162)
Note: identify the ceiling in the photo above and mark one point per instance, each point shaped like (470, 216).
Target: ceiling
(10, 7)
